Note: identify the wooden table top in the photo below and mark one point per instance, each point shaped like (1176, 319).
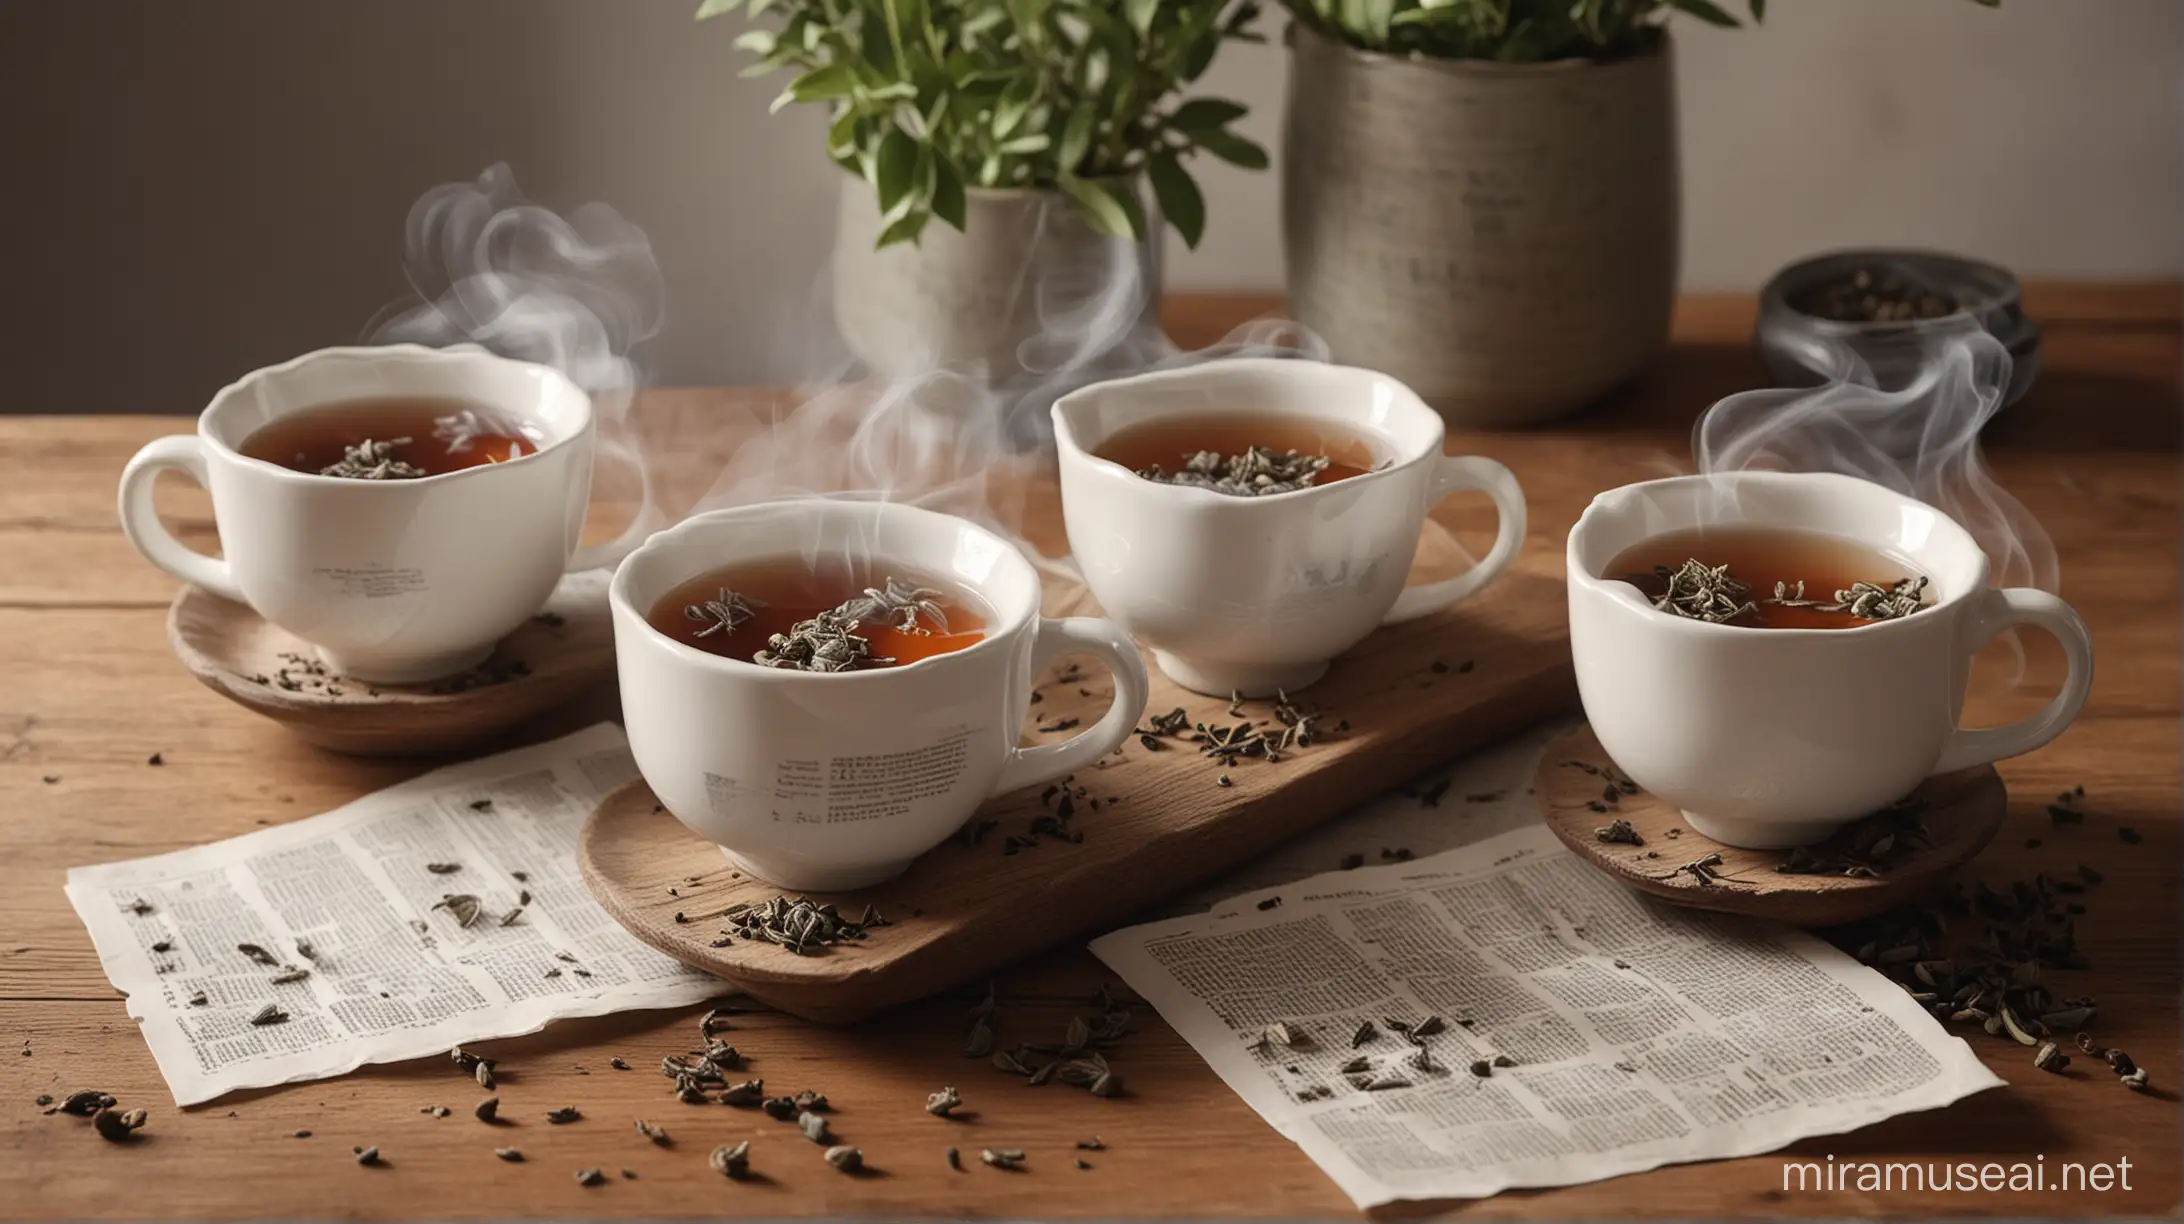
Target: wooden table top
(88, 693)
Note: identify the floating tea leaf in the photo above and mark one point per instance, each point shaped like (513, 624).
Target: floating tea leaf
(1698, 591)
(724, 614)
(899, 606)
(827, 642)
(1257, 472)
(373, 460)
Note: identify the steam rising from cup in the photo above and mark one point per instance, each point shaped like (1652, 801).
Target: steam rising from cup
(577, 293)
(969, 437)
(1919, 438)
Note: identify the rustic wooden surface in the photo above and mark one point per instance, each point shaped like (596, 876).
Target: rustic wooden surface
(1963, 812)
(88, 691)
(551, 660)
(1153, 820)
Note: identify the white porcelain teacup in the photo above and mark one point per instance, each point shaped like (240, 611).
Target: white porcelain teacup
(392, 581)
(832, 781)
(1253, 594)
(1778, 737)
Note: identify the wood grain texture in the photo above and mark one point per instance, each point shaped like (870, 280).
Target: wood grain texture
(1963, 812)
(1153, 820)
(544, 665)
(88, 690)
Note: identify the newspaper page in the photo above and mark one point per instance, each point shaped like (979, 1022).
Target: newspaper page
(1531, 1023)
(357, 947)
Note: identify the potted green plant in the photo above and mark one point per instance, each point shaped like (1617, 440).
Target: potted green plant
(1048, 138)
(1480, 197)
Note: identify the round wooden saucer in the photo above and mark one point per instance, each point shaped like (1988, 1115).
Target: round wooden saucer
(557, 655)
(1959, 814)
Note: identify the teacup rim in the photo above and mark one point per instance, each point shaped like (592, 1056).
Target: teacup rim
(995, 638)
(1580, 576)
(212, 438)
(1066, 440)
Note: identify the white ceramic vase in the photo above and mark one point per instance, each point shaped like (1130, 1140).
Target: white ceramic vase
(1025, 291)
(1500, 237)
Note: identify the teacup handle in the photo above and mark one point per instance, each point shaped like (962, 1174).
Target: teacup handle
(1459, 474)
(609, 554)
(1105, 639)
(140, 518)
(1999, 610)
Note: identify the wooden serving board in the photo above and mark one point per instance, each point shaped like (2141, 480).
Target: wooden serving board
(1152, 820)
(1961, 813)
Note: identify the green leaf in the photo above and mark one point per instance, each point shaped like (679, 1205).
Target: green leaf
(948, 199)
(842, 136)
(1206, 115)
(1233, 149)
(1076, 139)
(1180, 200)
(1036, 143)
(1759, 10)
(820, 84)
(1009, 110)
(1111, 212)
(715, 8)
(905, 228)
(1140, 14)
(893, 168)
(1706, 11)
(757, 42)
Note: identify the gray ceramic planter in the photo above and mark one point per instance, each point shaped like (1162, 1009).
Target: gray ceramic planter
(1026, 288)
(1503, 238)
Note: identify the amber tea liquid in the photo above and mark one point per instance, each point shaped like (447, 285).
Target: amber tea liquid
(1759, 558)
(792, 590)
(1170, 443)
(444, 435)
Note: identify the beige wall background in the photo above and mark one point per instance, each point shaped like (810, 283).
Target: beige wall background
(193, 189)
